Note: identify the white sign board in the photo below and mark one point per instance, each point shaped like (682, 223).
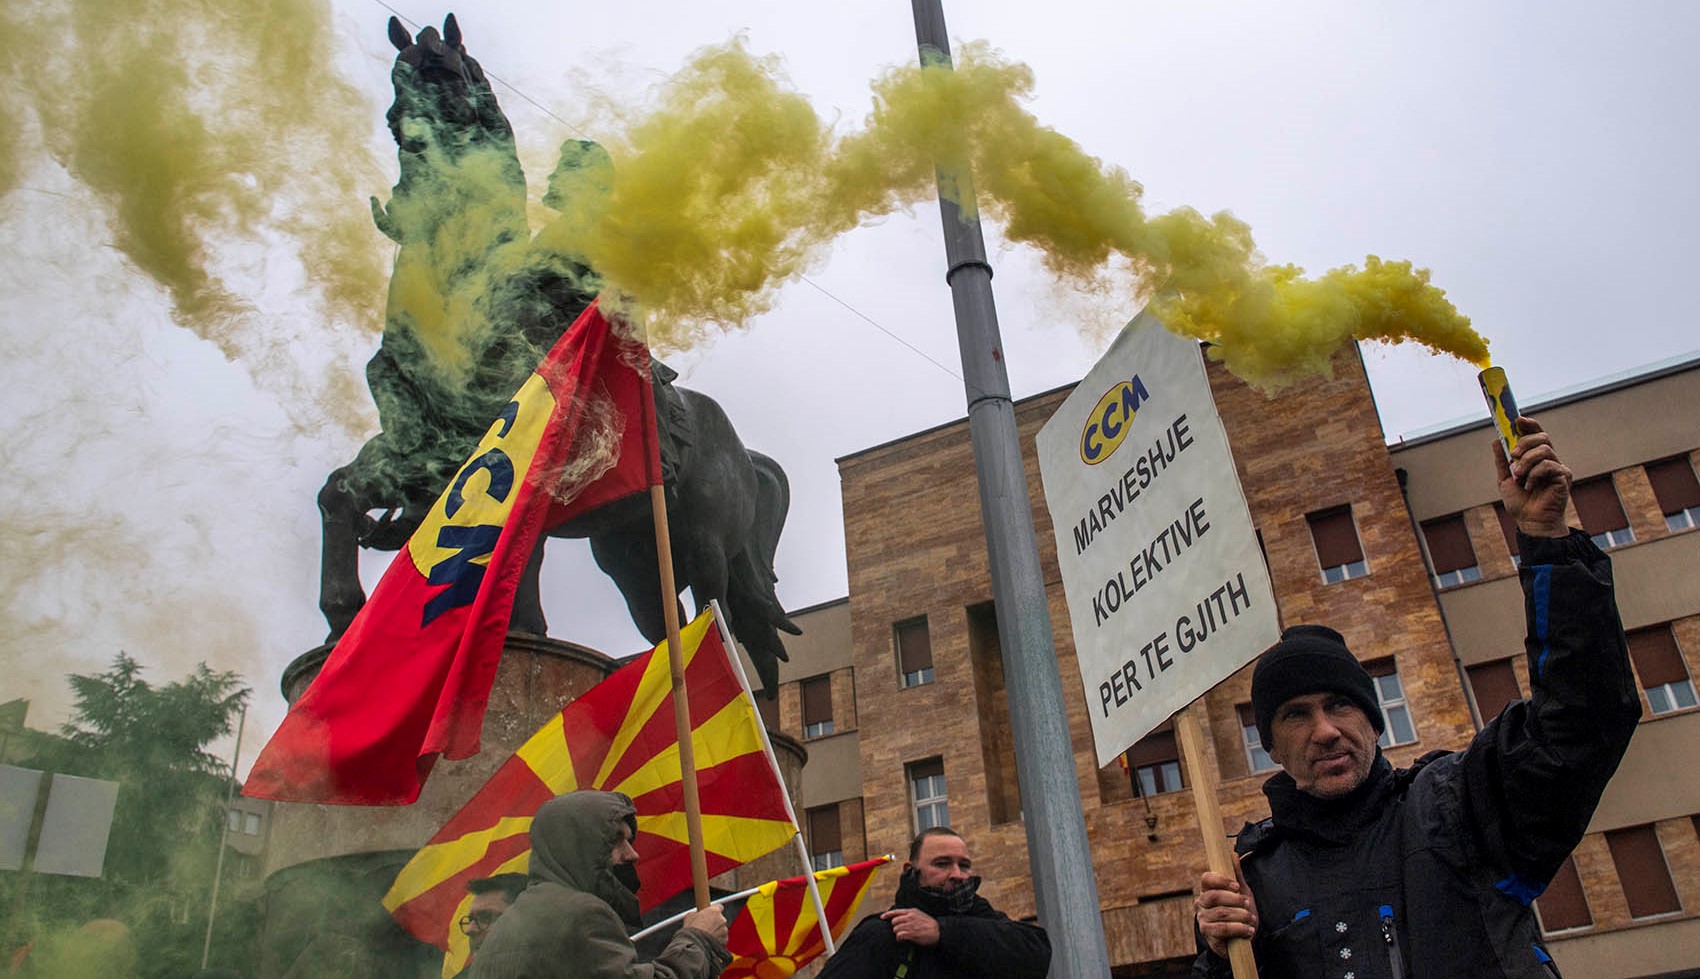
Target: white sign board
(75, 828)
(1167, 590)
(19, 788)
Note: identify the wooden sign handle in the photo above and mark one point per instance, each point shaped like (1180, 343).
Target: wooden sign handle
(1217, 853)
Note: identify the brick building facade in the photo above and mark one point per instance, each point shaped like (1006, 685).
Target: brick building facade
(918, 717)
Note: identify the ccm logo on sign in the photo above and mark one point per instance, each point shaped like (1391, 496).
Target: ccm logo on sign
(1110, 419)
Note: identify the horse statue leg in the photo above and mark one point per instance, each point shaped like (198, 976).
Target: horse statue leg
(756, 615)
(627, 555)
(527, 616)
(343, 519)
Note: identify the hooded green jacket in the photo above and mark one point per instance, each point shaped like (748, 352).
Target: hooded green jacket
(570, 922)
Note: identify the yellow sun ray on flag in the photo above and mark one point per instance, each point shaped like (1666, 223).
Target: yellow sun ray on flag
(616, 737)
(778, 932)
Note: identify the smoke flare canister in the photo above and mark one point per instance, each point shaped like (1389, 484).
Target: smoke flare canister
(1497, 390)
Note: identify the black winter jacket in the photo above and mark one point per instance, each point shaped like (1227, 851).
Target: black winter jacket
(980, 941)
(1428, 872)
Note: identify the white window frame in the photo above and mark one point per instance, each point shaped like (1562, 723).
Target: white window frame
(1667, 698)
(1606, 540)
(1391, 704)
(914, 678)
(827, 860)
(1462, 576)
(1146, 777)
(1257, 760)
(929, 798)
(818, 729)
(1683, 519)
(1345, 572)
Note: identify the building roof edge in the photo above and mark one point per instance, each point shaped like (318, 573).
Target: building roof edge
(1568, 395)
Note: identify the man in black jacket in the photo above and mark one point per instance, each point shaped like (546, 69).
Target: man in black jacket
(939, 927)
(1367, 872)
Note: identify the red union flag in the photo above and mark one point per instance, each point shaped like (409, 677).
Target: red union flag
(618, 737)
(411, 677)
(779, 931)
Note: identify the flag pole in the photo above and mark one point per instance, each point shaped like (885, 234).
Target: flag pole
(223, 838)
(773, 762)
(681, 703)
(1217, 853)
(1059, 853)
(675, 652)
(724, 899)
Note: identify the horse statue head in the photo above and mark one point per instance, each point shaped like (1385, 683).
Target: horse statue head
(445, 113)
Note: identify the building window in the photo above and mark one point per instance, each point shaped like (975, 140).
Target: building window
(1563, 905)
(926, 793)
(1449, 551)
(1658, 663)
(1390, 694)
(1257, 760)
(1642, 871)
(914, 652)
(1677, 490)
(1495, 686)
(251, 824)
(1601, 512)
(1508, 527)
(826, 841)
(817, 706)
(233, 820)
(1337, 547)
(1154, 763)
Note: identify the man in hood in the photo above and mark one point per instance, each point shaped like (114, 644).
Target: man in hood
(571, 921)
(939, 927)
(1367, 871)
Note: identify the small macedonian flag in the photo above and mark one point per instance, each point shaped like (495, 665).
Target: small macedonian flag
(778, 931)
(618, 737)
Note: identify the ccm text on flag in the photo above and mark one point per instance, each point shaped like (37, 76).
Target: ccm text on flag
(410, 679)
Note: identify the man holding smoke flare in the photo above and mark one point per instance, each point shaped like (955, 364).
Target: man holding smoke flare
(1366, 871)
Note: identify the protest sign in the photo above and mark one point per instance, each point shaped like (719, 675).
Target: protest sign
(1167, 589)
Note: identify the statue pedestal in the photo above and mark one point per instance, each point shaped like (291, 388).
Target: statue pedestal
(328, 867)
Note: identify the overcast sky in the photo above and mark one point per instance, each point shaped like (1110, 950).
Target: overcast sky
(1539, 158)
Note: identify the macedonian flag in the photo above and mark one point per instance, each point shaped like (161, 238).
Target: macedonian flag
(778, 931)
(618, 737)
(409, 681)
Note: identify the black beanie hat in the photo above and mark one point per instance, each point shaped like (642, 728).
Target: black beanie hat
(1309, 659)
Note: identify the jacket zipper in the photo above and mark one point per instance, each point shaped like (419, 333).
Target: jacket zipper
(1396, 960)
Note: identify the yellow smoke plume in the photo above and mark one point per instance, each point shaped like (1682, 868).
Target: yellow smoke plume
(204, 132)
(729, 183)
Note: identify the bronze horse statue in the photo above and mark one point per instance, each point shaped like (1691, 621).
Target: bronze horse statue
(473, 307)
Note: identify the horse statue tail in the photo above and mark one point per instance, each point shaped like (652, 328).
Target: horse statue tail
(757, 617)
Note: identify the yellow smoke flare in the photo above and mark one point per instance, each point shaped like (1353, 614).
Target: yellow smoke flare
(730, 184)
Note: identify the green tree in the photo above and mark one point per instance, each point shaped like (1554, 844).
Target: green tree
(166, 828)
